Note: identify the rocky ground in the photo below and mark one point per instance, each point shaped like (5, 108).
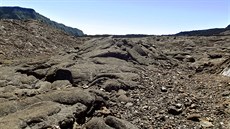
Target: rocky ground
(30, 38)
(111, 83)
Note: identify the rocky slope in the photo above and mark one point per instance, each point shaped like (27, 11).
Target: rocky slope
(115, 83)
(31, 38)
(19, 13)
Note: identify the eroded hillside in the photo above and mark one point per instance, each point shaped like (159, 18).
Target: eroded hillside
(31, 38)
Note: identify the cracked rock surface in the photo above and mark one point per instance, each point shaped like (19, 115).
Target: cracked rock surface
(114, 83)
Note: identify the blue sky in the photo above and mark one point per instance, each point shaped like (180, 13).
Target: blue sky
(132, 16)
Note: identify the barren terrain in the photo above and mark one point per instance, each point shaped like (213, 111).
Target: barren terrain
(49, 79)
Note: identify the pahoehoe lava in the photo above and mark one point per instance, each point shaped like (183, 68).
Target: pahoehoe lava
(49, 79)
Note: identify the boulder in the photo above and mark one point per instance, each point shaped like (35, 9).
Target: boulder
(117, 123)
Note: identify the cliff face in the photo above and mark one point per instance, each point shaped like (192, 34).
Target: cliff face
(19, 13)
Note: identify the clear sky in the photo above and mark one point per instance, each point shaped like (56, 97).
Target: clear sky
(132, 16)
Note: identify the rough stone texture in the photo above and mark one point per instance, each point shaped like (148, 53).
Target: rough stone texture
(113, 83)
(30, 38)
(35, 113)
(109, 122)
(118, 123)
(69, 97)
(97, 123)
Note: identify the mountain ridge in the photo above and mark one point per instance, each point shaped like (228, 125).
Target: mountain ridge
(205, 32)
(19, 13)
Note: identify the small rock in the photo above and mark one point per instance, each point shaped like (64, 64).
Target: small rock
(43, 86)
(194, 117)
(104, 111)
(226, 93)
(181, 90)
(2, 53)
(76, 126)
(66, 123)
(209, 119)
(123, 98)
(85, 86)
(101, 89)
(31, 93)
(162, 112)
(121, 92)
(129, 104)
(206, 124)
(117, 123)
(163, 89)
(174, 111)
(189, 58)
(145, 107)
(214, 55)
(60, 84)
(96, 123)
(188, 103)
(178, 105)
(55, 127)
(193, 106)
